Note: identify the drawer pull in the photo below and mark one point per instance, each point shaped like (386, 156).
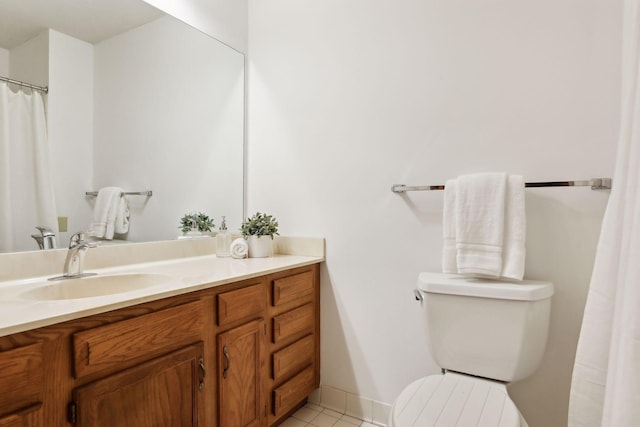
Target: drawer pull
(203, 373)
(227, 361)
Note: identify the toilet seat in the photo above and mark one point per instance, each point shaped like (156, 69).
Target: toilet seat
(454, 400)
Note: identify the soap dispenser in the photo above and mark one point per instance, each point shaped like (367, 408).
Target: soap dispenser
(223, 240)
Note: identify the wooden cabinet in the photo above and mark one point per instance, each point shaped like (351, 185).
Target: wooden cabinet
(241, 304)
(153, 391)
(294, 344)
(240, 383)
(269, 361)
(288, 395)
(165, 392)
(244, 354)
(28, 417)
(293, 358)
(121, 344)
(21, 377)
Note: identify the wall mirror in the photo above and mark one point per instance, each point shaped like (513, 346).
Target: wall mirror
(137, 99)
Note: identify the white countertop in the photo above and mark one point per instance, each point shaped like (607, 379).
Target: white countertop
(18, 313)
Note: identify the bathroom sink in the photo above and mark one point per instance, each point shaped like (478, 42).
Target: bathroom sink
(95, 286)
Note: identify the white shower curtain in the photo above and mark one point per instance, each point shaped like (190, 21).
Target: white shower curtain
(26, 187)
(605, 389)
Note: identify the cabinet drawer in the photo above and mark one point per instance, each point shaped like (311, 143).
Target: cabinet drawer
(293, 323)
(293, 358)
(291, 288)
(293, 392)
(21, 372)
(137, 339)
(245, 303)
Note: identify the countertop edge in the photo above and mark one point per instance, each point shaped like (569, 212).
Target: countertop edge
(100, 305)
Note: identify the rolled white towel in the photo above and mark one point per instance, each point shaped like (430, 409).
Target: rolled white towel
(239, 248)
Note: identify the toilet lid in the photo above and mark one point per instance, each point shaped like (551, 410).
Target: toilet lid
(454, 400)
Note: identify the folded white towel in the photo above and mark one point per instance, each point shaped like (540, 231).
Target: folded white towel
(104, 213)
(515, 227)
(480, 210)
(122, 216)
(239, 248)
(473, 222)
(449, 264)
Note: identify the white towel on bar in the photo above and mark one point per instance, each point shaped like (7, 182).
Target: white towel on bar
(472, 225)
(515, 229)
(479, 217)
(449, 264)
(104, 212)
(121, 225)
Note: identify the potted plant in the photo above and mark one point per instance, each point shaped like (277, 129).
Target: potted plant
(255, 227)
(196, 222)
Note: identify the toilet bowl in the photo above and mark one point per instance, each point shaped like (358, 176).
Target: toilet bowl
(455, 400)
(484, 334)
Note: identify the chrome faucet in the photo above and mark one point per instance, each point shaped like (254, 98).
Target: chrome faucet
(74, 264)
(46, 239)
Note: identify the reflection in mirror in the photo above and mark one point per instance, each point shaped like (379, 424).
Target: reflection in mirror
(147, 104)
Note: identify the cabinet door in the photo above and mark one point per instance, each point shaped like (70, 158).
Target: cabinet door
(165, 392)
(240, 364)
(29, 417)
(21, 378)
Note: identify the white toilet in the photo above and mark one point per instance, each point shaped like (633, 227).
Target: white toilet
(483, 334)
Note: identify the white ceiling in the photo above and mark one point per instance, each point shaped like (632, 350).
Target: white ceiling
(88, 20)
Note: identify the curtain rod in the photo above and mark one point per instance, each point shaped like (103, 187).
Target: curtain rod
(594, 183)
(44, 89)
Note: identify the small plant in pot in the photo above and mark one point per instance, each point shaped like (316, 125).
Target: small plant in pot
(196, 222)
(254, 230)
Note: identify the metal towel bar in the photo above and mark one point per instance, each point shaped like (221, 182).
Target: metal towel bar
(126, 193)
(594, 183)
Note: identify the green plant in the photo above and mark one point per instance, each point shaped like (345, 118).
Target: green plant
(259, 225)
(202, 222)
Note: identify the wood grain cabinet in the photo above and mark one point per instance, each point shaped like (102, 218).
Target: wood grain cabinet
(21, 379)
(240, 384)
(294, 349)
(164, 392)
(29, 417)
(244, 354)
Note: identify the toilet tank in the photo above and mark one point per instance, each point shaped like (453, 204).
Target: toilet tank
(485, 327)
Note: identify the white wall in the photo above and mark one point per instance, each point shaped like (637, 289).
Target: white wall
(349, 97)
(188, 146)
(70, 121)
(226, 20)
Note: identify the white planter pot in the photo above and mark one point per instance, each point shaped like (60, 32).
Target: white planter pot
(259, 246)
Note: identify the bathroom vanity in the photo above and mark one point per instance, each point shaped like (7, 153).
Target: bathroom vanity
(235, 352)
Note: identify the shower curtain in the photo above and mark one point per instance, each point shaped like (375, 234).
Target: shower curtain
(605, 390)
(26, 187)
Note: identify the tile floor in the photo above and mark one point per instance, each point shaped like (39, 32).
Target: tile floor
(312, 415)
